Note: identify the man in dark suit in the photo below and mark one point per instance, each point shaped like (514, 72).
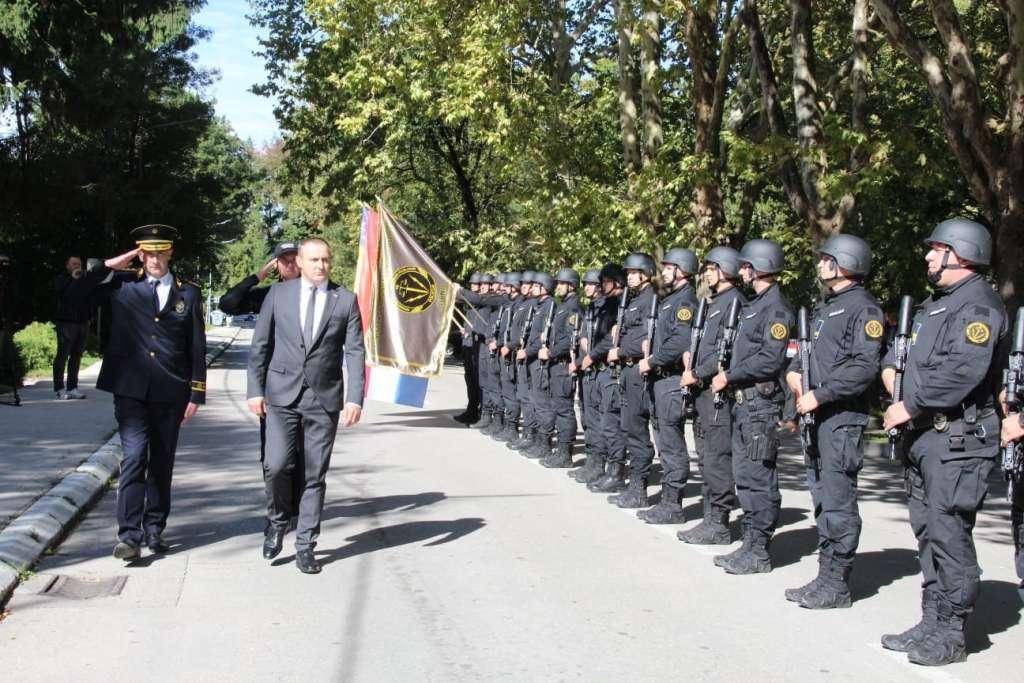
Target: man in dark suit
(155, 365)
(307, 327)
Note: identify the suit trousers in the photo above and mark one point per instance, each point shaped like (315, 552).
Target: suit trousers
(471, 370)
(304, 420)
(149, 437)
(70, 347)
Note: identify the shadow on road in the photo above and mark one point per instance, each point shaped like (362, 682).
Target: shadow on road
(875, 569)
(997, 610)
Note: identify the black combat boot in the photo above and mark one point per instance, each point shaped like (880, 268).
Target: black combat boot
(525, 441)
(561, 458)
(541, 447)
(902, 642)
(468, 416)
(832, 592)
(496, 425)
(588, 464)
(714, 530)
(797, 594)
(635, 495)
(596, 473)
(484, 421)
(945, 643)
(721, 560)
(755, 561)
(669, 509)
(511, 431)
(614, 479)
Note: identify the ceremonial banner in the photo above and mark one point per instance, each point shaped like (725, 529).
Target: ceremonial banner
(407, 303)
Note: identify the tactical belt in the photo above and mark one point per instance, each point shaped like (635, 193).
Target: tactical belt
(667, 372)
(957, 422)
(630, 361)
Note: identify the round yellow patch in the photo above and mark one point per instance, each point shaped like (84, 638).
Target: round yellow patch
(684, 314)
(978, 333)
(180, 306)
(779, 331)
(873, 329)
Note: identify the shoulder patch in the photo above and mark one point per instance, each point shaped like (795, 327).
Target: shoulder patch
(873, 329)
(873, 311)
(982, 310)
(978, 333)
(778, 331)
(572, 320)
(684, 314)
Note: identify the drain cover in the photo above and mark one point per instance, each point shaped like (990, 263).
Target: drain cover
(80, 588)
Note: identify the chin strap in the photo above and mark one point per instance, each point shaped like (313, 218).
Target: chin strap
(934, 278)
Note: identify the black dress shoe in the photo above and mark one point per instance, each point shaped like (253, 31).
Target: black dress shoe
(273, 541)
(157, 544)
(127, 551)
(305, 560)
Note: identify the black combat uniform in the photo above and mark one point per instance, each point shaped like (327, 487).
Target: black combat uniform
(636, 398)
(755, 398)
(949, 389)
(590, 398)
(845, 350)
(539, 377)
(522, 321)
(506, 373)
(560, 417)
(613, 441)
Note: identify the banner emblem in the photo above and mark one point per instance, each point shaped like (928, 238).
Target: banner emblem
(415, 289)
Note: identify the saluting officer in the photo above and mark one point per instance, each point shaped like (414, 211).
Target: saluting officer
(543, 288)
(845, 351)
(665, 363)
(507, 371)
(517, 342)
(950, 439)
(247, 296)
(590, 390)
(636, 398)
(755, 399)
(713, 429)
(556, 356)
(609, 476)
(155, 366)
(470, 360)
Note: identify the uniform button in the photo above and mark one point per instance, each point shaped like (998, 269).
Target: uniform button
(156, 320)
(151, 353)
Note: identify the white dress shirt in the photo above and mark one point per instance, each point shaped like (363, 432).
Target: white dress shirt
(163, 287)
(318, 310)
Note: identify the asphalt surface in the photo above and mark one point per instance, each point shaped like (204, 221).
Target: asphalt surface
(448, 557)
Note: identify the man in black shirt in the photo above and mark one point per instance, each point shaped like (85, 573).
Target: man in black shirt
(247, 296)
(74, 309)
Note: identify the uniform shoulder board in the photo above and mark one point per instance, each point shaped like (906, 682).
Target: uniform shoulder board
(982, 310)
(873, 311)
(780, 315)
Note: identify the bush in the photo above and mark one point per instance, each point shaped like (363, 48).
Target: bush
(37, 346)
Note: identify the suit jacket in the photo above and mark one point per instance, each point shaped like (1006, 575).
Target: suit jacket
(279, 361)
(154, 356)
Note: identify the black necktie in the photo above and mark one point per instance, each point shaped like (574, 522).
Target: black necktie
(307, 328)
(156, 298)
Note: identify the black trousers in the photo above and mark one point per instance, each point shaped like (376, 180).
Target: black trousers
(947, 488)
(1017, 522)
(524, 396)
(755, 448)
(471, 370)
(149, 438)
(636, 416)
(611, 416)
(70, 347)
(668, 409)
(559, 413)
(304, 420)
(591, 412)
(507, 384)
(714, 450)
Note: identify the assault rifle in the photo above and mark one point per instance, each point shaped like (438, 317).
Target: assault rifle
(1013, 382)
(495, 327)
(725, 345)
(696, 333)
(527, 324)
(900, 352)
(803, 336)
(620, 316)
(506, 338)
(546, 331)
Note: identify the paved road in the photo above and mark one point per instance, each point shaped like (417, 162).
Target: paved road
(449, 558)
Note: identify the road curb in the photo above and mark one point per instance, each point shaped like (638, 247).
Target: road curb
(39, 528)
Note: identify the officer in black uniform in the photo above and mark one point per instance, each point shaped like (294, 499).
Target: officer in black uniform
(506, 368)
(950, 440)
(636, 395)
(155, 366)
(540, 329)
(247, 296)
(664, 363)
(756, 398)
(713, 429)
(845, 351)
(1013, 432)
(521, 324)
(613, 476)
(556, 356)
(590, 390)
(470, 361)
(482, 312)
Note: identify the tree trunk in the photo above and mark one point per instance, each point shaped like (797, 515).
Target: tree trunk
(650, 79)
(628, 109)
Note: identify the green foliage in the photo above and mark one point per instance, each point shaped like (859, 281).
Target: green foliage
(37, 346)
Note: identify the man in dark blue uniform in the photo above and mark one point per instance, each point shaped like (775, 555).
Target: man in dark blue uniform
(633, 346)
(543, 289)
(664, 366)
(950, 433)
(470, 369)
(845, 350)
(506, 367)
(751, 383)
(555, 356)
(155, 366)
(590, 390)
(612, 475)
(712, 429)
(521, 324)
